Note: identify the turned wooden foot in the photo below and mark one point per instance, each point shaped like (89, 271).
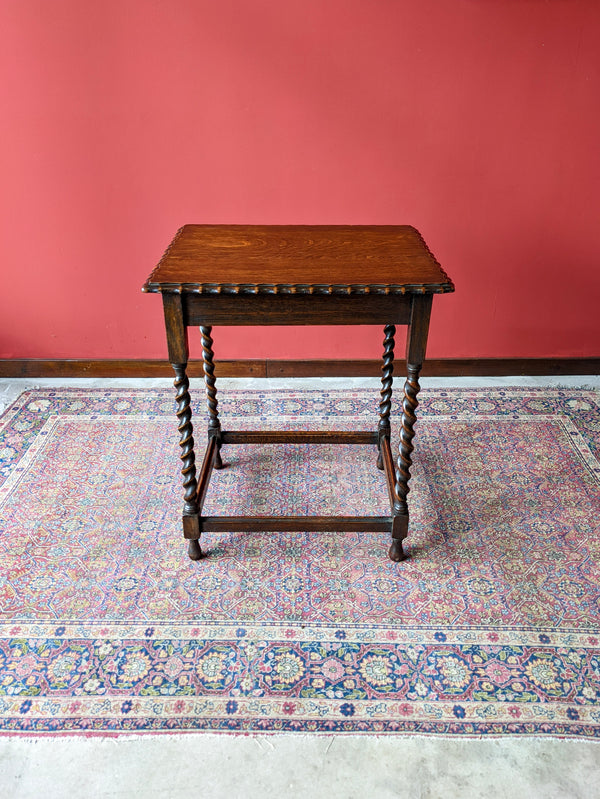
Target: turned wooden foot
(380, 461)
(194, 549)
(218, 462)
(399, 533)
(395, 552)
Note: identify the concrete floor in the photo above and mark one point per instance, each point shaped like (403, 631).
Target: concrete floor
(336, 767)
(10, 388)
(217, 766)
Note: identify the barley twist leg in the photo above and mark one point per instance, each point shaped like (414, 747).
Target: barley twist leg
(214, 425)
(188, 458)
(385, 405)
(409, 406)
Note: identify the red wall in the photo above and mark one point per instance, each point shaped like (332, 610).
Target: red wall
(477, 121)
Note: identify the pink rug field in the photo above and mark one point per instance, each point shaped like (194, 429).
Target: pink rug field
(491, 627)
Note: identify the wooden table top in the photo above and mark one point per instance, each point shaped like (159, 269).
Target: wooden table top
(298, 259)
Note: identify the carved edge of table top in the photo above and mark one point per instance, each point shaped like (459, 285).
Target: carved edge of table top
(336, 289)
(285, 288)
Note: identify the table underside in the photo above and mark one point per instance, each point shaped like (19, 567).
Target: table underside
(293, 523)
(182, 311)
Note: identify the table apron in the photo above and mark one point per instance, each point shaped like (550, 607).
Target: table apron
(282, 309)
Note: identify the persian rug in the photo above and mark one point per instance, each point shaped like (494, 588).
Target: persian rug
(491, 627)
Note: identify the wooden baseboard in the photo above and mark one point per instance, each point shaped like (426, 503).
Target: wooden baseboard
(444, 367)
(123, 368)
(439, 367)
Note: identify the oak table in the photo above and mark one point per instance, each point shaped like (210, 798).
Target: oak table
(297, 275)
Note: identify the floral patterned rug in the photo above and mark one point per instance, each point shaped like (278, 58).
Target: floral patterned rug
(491, 627)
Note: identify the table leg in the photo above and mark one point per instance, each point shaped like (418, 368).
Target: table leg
(415, 354)
(400, 511)
(214, 425)
(385, 405)
(191, 524)
(177, 342)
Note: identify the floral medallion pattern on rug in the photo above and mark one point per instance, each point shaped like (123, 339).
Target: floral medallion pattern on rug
(491, 627)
